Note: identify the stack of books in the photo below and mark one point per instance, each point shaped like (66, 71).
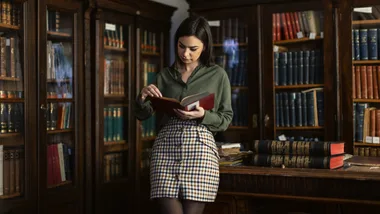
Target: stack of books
(298, 154)
(231, 154)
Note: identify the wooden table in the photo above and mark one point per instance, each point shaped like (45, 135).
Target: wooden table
(248, 189)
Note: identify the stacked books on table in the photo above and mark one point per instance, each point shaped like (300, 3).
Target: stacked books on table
(231, 154)
(298, 154)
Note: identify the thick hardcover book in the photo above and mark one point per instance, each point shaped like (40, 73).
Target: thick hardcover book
(321, 148)
(289, 161)
(364, 161)
(189, 103)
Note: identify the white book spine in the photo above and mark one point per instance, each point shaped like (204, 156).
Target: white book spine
(61, 162)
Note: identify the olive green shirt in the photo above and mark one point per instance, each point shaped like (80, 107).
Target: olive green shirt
(213, 79)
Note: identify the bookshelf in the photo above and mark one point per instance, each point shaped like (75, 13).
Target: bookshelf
(152, 56)
(111, 36)
(300, 78)
(60, 115)
(361, 130)
(231, 45)
(18, 130)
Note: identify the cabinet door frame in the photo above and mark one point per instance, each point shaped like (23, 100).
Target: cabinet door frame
(330, 85)
(27, 202)
(344, 39)
(101, 17)
(72, 193)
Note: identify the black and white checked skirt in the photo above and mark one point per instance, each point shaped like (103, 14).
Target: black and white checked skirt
(184, 162)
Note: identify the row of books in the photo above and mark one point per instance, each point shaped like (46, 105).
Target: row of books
(59, 116)
(305, 108)
(295, 25)
(298, 154)
(149, 71)
(373, 14)
(11, 117)
(114, 70)
(148, 127)
(113, 35)
(300, 67)
(59, 163)
(5, 94)
(226, 30)
(365, 82)
(239, 99)
(114, 124)
(53, 19)
(10, 65)
(60, 90)
(59, 61)
(149, 42)
(366, 44)
(10, 13)
(367, 151)
(11, 170)
(235, 63)
(114, 167)
(366, 122)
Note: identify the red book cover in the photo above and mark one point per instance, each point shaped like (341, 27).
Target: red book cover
(363, 79)
(284, 25)
(274, 27)
(353, 83)
(358, 82)
(189, 103)
(375, 83)
(278, 25)
(290, 27)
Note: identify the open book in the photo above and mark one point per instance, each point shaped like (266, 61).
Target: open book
(189, 103)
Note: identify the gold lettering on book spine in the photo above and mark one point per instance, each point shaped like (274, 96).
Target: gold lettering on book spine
(286, 148)
(307, 148)
(273, 145)
(294, 147)
(287, 161)
(299, 162)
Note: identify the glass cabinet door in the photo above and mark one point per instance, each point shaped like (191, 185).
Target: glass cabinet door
(13, 143)
(365, 80)
(60, 96)
(150, 63)
(115, 90)
(61, 106)
(298, 77)
(230, 45)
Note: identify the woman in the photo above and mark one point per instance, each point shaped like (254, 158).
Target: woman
(184, 163)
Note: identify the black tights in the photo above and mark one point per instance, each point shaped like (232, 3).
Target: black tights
(176, 206)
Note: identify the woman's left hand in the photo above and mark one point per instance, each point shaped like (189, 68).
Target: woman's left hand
(199, 112)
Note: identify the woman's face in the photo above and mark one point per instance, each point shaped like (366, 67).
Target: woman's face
(189, 49)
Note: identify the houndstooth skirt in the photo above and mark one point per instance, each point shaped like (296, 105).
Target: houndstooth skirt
(184, 162)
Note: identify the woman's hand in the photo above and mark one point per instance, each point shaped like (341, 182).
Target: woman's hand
(199, 112)
(150, 90)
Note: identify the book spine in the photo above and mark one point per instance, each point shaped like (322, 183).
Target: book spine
(290, 161)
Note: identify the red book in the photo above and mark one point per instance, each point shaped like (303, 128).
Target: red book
(189, 103)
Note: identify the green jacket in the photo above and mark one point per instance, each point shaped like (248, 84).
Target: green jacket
(213, 79)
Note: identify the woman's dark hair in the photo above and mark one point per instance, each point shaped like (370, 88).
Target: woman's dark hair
(196, 26)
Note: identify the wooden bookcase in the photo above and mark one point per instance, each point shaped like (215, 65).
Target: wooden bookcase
(108, 191)
(60, 106)
(152, 55)
(360, 67)
(112, 39)
(18, 148)
(297, 53)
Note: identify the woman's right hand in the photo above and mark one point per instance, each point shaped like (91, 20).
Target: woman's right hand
(150, 90)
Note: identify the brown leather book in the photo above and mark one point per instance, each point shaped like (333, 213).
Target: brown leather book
(375, 83)
(363, 72)
(363, 161)
(358, 83)
(369, 82)
(367, 122)
(373, 152)
(353, 83)
(6, 174)
(378, 122)
(289, 24)
(285, 26)
(373, 122)
(274, 27)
